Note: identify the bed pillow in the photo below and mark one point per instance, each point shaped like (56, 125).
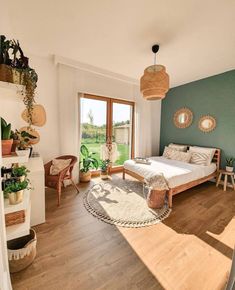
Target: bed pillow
(209, 151)
(58, 165)
(178, 147)
(200, 158)
(180, 156)
(167, 152)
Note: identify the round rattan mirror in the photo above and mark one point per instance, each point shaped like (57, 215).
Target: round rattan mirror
(183, 118)
(207, 123)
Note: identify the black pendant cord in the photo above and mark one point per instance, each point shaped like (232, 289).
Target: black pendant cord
(155, 49)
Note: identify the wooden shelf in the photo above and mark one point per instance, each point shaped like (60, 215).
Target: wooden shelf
(24, 205)
(19, 230)
(14, 158)
(11, 86)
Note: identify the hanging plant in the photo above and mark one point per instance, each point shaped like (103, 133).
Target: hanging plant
(22, 73)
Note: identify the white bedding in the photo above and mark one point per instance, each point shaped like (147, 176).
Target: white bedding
(175, 172)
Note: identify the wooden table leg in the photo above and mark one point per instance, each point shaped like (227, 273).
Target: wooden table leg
(225, 181)
(218, 180)
(232, 179)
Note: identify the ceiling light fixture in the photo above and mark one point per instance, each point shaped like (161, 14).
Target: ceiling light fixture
(154, 84)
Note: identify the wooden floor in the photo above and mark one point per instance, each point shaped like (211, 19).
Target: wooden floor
(192, 249)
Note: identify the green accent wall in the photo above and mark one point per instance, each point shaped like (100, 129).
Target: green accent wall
(213, 96)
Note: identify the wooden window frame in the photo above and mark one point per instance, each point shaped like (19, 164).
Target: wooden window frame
(109, 120)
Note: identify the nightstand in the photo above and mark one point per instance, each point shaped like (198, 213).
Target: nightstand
(226, 174)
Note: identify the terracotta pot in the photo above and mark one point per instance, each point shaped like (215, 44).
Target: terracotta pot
(85, 176)
(104, 175)
(6, 147)
(156, 199)
(14, 145)
(16, 197)
(6, 73)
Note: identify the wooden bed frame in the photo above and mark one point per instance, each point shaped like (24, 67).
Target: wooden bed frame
(183, 187)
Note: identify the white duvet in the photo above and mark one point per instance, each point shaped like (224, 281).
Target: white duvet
(175, 172)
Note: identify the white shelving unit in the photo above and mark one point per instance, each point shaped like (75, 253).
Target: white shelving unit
(24, 205)
(22, 229)
(19, 230)
(7, 160)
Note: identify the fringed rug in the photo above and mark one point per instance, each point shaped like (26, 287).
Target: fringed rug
(122, 203)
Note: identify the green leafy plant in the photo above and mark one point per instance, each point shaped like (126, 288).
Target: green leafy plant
(24, 139)
(20, 171)
(16, 186)
(12, 55)
(88, 161)
(5, 129)
(230, 161)
(104, 164)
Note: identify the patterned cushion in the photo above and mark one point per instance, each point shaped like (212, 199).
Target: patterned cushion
(167, 152)
(58, 165)
(199, 158)
(180, 156)
(209, 151)
(178, 147)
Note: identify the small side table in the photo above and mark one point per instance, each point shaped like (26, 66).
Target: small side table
(226, 174)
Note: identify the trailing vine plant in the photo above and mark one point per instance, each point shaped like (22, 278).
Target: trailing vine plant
(21, 69)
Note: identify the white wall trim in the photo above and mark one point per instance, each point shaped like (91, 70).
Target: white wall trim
(94, 69)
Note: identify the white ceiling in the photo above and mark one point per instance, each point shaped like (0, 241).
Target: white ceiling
(196, 37)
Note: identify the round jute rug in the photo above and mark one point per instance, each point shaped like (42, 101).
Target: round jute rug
(122, 203)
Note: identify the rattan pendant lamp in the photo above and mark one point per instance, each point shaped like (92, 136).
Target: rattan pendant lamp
(154, 84)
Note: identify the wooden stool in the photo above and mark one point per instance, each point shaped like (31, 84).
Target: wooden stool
(226, 174)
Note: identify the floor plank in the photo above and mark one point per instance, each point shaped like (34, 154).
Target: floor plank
(191, 249)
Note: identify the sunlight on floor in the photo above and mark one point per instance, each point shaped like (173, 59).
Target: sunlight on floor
(227, 237)
(180, 261)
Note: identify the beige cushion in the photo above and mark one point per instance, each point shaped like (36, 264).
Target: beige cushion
(167, 152)
(199, 158)
(178, 147)
(180, 156)
(209, 151)
(58, 165)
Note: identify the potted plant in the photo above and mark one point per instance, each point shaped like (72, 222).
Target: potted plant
(229, 164)
(24, 146)
(16, 141)
(104, 169)
(15, 191)
(6, 137)
(20, 172)
(87, 162)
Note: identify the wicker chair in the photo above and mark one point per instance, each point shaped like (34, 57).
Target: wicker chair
(56, 181)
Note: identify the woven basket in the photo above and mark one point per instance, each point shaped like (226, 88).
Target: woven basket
(15, 218)
(6, 73)
(22, 251)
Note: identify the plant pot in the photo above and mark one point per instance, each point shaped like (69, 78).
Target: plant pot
(25, 152)
(22, 178)
(85, 176)
(16, 197)
(6, 147)
(6, 73)
(22, 251)
(104, 175)
(229, 168)
(15, 145)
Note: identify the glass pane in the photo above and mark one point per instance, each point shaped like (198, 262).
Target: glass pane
(121, 135)
(93, 125)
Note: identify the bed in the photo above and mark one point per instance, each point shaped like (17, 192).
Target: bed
(179, 175)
